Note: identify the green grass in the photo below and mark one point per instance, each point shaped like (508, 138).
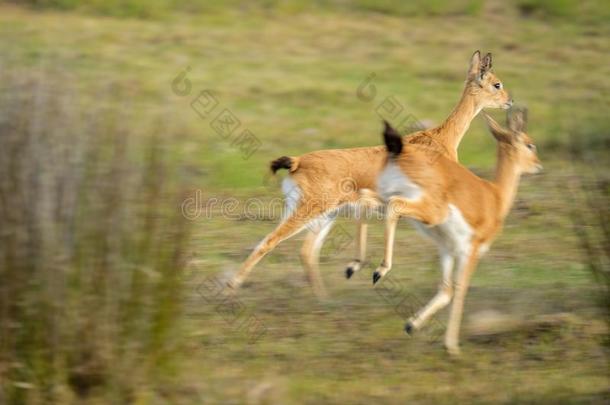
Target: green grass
(160, 8)
(290, 74)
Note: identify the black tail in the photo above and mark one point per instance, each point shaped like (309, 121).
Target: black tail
(392, 140)
(283, 162)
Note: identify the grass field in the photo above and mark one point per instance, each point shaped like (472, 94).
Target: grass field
(290, 75)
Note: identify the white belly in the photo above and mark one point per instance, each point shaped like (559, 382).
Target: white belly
(454, 234)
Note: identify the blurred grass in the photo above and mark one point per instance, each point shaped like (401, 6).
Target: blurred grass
(91, 248)
(158, 9)
(289, 73)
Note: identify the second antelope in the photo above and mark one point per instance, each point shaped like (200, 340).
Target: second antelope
(459, 211)
(316, 186)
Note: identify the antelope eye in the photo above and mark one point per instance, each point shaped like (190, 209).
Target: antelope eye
(498, 85)
(531, 147)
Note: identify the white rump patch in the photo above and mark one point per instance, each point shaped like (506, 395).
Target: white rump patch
(393, 182)
(292, 195)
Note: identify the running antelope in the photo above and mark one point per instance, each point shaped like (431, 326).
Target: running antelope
(319, 183)
(459, 211)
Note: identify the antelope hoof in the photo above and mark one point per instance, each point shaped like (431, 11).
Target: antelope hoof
(231, 286)
(228, 291)
(409, 328)
(454, 351)
(376, 277)
(349, 272)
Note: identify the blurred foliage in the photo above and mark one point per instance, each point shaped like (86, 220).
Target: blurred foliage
(586, 141)
(159, 8)
(584, 10)
(562, 8)
(590, 202)
(91, 246)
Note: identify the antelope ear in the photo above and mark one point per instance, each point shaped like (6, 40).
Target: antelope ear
(497, 131)
(516, 119)
(475, 65)
(485, 65)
